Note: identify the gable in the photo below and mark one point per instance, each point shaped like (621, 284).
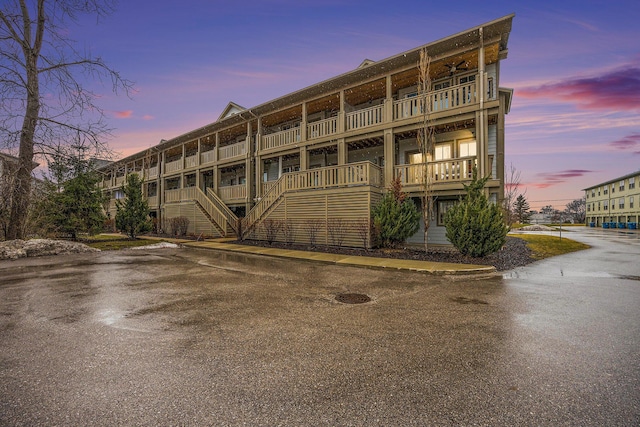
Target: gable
(231, 109)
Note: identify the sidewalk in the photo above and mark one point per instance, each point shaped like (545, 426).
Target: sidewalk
(441, 268)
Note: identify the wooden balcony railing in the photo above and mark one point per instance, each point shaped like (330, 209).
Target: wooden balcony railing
(152, 172)
(278, 139)
(365, 117)
(233, 192)
(120, 181)
(322, 128)
(207, 157)
(441, 171)
(153, 201)
(173, 166)
(233, 150)
(191, 161)
(440, 100)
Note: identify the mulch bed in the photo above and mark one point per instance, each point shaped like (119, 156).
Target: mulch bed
(515, 253)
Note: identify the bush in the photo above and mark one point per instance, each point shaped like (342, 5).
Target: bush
(271, 229)
(178, 225)
(395, 218)
(475, 226)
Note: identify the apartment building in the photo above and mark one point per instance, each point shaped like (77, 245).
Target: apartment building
(322, 156)
(614, 203)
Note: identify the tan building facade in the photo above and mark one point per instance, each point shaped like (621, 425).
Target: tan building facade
(315, 161)
(615, 203)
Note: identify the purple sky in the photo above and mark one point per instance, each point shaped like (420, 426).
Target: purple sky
(574, 65)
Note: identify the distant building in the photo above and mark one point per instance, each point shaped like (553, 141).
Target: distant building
(614, 203)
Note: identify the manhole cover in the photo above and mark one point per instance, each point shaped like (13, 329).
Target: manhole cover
(352, 298)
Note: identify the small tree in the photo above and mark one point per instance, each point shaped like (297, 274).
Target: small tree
(521, 209)
(70, 201)
(395, 218)
(475, 226)
(132, 214)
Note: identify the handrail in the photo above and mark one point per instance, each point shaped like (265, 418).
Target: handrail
(450, 170)
(232, 219)
(194, 193)
(361, 173)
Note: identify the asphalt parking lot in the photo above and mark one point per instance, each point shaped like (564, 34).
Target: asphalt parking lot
(200, 337)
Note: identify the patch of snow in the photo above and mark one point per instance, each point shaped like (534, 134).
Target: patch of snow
(537, 227)
(159, 245)
(14, 249)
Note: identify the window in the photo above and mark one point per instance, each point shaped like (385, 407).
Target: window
(605, 191)
(443, 152)
(593, 193)
(467, 79)
(605, 205)
(443, 207)
(490, 93)
(468, 149)
(613, 188)
(621, 202)
(442, 85)
(632, 183)
(622, 185)
(631, 202)
(598, 205)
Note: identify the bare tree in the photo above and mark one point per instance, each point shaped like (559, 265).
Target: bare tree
(363, 228)
(312, 227)
(289, 231)
(426, 141)
(337, 229)
(36, 58)
(511, 186)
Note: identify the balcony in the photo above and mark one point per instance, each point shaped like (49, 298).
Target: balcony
(233, 193)
(443, 171)
(191, 161)
(173, 166)
(440, 100)
(278, 139)
(322, 128)
(152, 172)
(234, 150)
(365, 117)
(208, 157)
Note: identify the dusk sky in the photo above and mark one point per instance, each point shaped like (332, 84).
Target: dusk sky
(574, 65)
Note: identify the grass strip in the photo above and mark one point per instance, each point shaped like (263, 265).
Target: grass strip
(545, 246)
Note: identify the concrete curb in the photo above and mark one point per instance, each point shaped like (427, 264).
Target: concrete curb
(435, 268)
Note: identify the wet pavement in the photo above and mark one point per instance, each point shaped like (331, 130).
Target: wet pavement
(201, 337)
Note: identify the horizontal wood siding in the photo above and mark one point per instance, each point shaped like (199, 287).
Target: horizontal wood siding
(329, 208)
(198, 222)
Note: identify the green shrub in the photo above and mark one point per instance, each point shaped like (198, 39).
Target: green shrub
(475, 226)
(395, 219)
(132, 215)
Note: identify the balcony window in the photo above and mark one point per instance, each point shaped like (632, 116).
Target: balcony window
(468, 149)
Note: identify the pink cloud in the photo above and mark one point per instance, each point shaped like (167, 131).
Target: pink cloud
(629, 142)
(126, 114)
(615, 90)
(554, 178)
(147, 117)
